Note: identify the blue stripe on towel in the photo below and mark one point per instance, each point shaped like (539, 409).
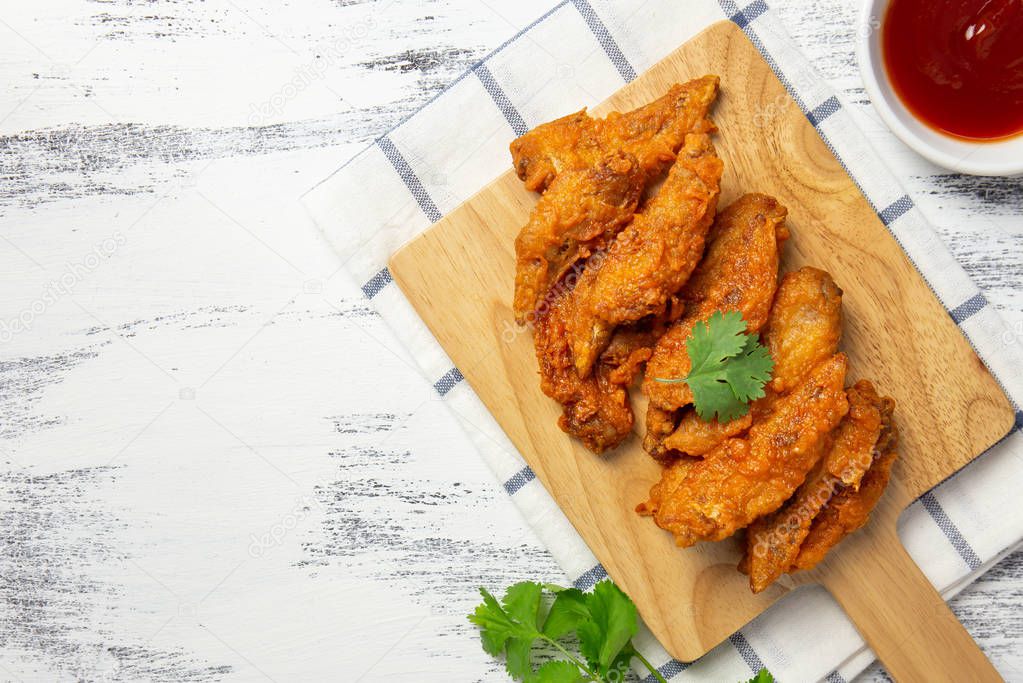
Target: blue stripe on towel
(952, 533)
(448, 381)
(518, 480)
(605, 39)
(741, 19)
(731, 9)
(590, 578)
(526, 29)
(410, 179)
(376, 283)
(824, 110)
(746, 651)
(968, 308)
(511, 114)
(669, 669)
(895, 209)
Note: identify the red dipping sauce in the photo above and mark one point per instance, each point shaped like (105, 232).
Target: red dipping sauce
(958, 64)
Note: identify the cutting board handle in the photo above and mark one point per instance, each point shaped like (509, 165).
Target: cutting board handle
(899, 613)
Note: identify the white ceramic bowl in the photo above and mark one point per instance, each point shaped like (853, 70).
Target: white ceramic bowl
(1002, 157)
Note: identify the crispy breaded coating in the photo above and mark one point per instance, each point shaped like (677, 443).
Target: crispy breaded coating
(849, 509)
(609, 291)
(805, 325)
(596, 409)
(631, 346)
(695, 438)
(739, 272)
(857, 438)
(652, 257)
(581, 213)
(652, 133)
(746, 478)
(773, 542)
(803, 328)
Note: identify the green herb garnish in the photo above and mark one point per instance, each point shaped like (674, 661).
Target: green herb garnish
(601, 624)
(763, 676)
(728, 368)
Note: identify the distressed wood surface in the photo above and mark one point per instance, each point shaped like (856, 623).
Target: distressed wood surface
(215, 461)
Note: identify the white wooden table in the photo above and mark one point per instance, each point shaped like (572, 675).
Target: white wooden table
(215, 461)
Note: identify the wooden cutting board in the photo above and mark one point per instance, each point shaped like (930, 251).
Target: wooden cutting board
(459, 275)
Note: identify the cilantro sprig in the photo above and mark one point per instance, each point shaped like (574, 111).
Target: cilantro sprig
(763, 676)
(728, 368)
(603, 623)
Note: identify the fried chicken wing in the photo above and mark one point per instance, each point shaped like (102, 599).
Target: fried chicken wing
(631, 346)
(609, 291)
(739, 272)
(773, 542)
(803, 328)
(652, 133)
(805, 325)
(745, 478)
(652, 257)
(596, 409)
(581, 212)
(850, 507)
(856, 443)
(694, 438)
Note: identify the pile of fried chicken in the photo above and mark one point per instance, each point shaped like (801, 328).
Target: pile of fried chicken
(612, 280)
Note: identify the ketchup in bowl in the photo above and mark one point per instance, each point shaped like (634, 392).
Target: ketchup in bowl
(957, 65)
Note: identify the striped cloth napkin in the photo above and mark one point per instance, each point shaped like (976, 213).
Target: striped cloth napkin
(581, 51)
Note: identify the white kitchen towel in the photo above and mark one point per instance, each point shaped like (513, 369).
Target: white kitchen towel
(580, 52)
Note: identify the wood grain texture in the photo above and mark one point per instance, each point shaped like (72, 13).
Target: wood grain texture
(951, 409)
(129, 111)
(909, 626)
